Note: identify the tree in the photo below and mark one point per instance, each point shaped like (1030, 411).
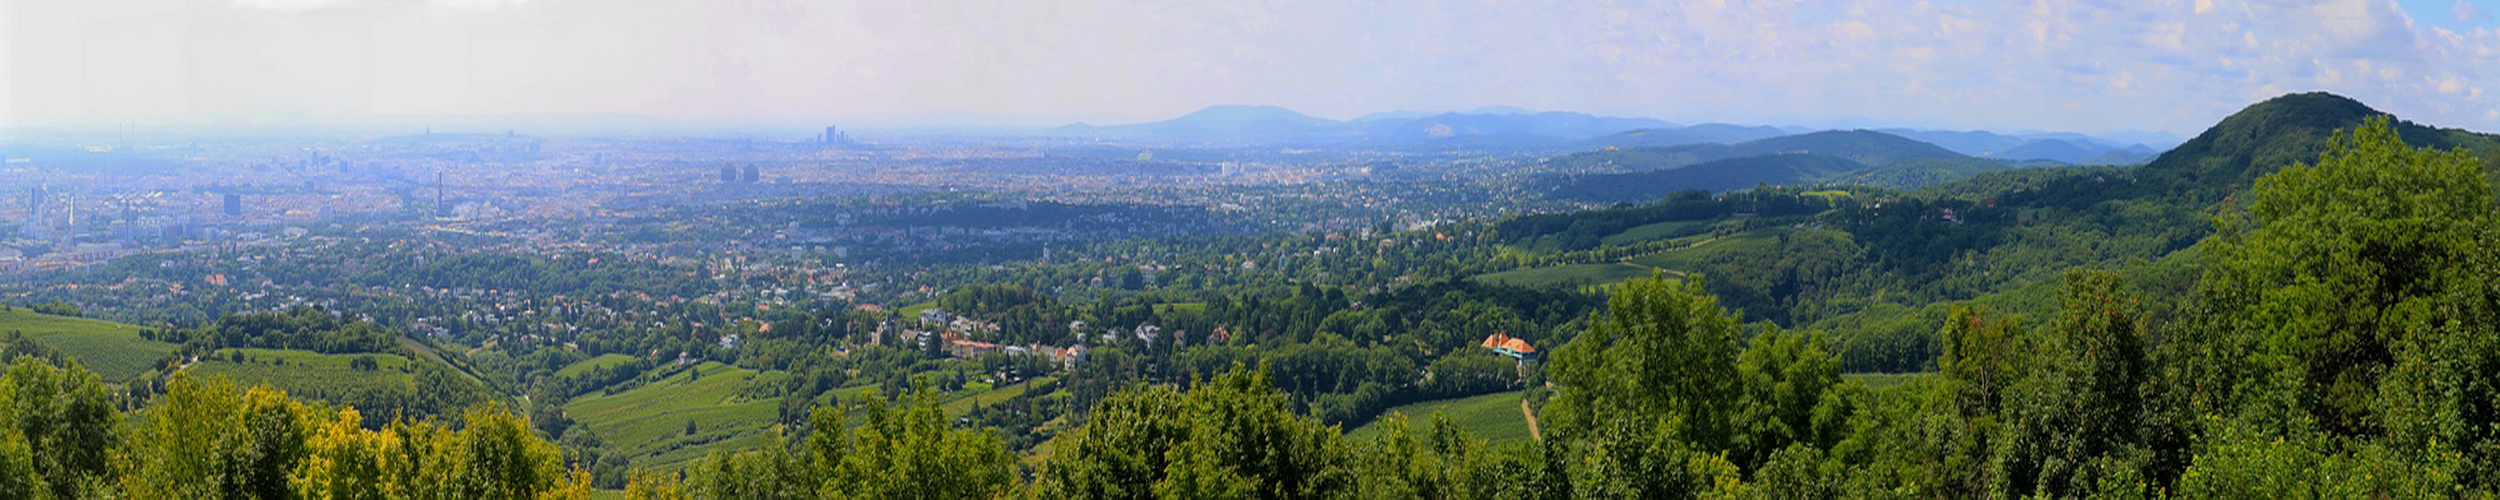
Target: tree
(2081, 411)
(910, 452)
(1121, 451)
(1663, 351)
(66, 420)
(1785, 376)
(1231, 436)
(2333, 269)
(208, 440)
(2352, 297)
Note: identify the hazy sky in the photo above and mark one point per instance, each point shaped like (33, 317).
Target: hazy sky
(2089, 66)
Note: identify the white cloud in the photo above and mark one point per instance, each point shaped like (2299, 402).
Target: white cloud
(2055, 64)
(292, 5)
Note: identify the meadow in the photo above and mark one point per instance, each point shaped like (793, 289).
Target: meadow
(1494, 417)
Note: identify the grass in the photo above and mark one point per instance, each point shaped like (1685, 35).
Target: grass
(1494, 417)
(306, 374)
(960, 403)
(649, 422)
(585, 366)
(113, 351)
(1572, 274)
(1692, 257)
(1658, 231)
(913, 311)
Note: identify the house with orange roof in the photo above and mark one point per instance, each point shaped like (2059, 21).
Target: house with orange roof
(1507, 345)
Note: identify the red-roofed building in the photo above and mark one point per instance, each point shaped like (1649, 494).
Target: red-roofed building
(1507, 345)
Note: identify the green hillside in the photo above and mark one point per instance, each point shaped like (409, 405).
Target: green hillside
(1864, 147)
(1717, 175)
(1565, 275)
(381, 386)
(650, 423)
(2279, 132)
(1494, 417)
(113, 351)
(1922, 172)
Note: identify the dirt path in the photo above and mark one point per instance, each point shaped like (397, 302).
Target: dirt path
(1533, 432)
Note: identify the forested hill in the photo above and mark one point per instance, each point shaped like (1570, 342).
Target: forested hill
(2279, 132)
(1715, 175)
(1998, 237)
(1863, 146)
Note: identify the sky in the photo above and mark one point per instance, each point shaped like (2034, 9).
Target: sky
(2086, 65)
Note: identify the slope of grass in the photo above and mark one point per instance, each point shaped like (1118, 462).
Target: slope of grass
(1658, 231)
(1495, 417)
(1573, 274)
(649, 423)
(113, 351)
(307, 374)
(1692, 257)
(976, 395)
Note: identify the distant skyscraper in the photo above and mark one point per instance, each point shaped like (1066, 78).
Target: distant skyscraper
(729, 174)
(835, 136)
(234, 205)
(752, 175)
(34, 203)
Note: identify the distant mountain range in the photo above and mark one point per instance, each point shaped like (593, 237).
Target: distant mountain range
(1235, 124)
(1509, 127)
(1697, 134)
(1867, 147)
(1828, 156)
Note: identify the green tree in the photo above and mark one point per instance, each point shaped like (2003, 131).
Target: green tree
(1663, 350)
(1229, 436)
(2084, 399)
(67, 420)
(1785, 376)
(206, 439)
(2332, 271)
(909, 452)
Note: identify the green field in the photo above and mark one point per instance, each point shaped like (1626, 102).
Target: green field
(649, 422)
(1662, 230)
(1564, 275)
(585, 366)
(960, 403)
(113, 351)
(1494, 417)
(303, 373)
(1693, 257)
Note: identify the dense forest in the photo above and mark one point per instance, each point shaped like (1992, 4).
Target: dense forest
(2329, 331)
